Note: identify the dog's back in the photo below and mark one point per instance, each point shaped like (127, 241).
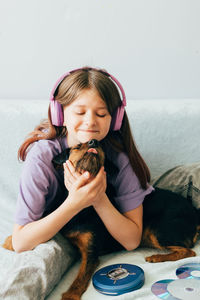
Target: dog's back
(170, 221)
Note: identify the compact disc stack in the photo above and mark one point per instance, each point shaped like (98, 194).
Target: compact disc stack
(187, 287)
(118, 279)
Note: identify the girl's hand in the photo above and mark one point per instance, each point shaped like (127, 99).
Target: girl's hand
(70, 176)
(84, 190)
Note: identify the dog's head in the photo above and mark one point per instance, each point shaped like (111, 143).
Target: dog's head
(87, 157)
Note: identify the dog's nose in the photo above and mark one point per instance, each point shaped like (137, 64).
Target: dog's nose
(93, 143)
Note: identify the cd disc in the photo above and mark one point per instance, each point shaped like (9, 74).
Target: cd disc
(159, 289)
(185, 289)
(191, 270)
(118, 279)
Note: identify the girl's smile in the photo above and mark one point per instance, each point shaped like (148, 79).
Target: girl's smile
(86, 118)
(88, 130)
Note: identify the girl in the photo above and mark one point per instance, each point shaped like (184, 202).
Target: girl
(85, 104)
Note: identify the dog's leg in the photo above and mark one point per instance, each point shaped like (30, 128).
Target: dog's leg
(89, 262)
(175, 254)
(150, 240)
(8, 243)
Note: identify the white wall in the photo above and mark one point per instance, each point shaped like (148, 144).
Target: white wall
(152, 46)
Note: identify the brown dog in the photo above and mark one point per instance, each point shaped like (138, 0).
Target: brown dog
(170, 222)
(87, 157)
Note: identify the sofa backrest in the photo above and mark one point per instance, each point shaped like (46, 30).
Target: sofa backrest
(167, 133)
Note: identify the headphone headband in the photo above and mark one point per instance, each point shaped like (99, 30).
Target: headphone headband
(57, 111)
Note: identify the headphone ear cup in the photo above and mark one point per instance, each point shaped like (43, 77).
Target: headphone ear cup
(117, 118)
(56, 109)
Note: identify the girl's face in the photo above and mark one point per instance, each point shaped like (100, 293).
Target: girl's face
(86, 118)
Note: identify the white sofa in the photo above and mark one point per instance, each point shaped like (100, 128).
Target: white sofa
(167, 133)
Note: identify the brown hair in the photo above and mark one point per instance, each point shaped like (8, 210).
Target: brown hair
(67, 91)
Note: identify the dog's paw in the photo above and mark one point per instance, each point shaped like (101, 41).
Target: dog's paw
(154, 258)
(70, 296)
(8, 243)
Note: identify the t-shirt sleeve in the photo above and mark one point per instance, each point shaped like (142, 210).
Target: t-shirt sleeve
(129, 193)
(35, 182)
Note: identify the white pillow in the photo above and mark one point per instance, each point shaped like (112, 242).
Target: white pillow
(33, 274)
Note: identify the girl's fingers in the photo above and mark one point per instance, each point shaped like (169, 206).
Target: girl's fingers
(96, 183)
(101, 175)
(69, 179)
(69, 171)
(82, 180)
(68, 165)
(72, 169)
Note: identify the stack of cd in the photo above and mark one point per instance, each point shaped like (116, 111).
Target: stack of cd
(187, 287)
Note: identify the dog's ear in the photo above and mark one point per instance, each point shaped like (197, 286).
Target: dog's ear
(61, 158)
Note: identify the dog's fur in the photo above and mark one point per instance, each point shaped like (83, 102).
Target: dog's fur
(170, 222)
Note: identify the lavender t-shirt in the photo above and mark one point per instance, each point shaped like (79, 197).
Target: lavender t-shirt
(42, 185)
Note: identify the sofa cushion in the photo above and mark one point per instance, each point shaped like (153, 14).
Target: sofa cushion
(184, 180)
(33, 274)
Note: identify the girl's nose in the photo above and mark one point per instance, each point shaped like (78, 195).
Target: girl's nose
(90, 119)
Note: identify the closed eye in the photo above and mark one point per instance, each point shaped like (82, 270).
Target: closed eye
(101, 116)
(77, 147)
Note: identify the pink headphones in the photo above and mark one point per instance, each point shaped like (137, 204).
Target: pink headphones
(57, 111)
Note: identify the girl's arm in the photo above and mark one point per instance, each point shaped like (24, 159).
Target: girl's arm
(80, 196)
(32, 234)
(125, 228)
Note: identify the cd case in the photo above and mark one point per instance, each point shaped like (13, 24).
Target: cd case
(118, 279)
